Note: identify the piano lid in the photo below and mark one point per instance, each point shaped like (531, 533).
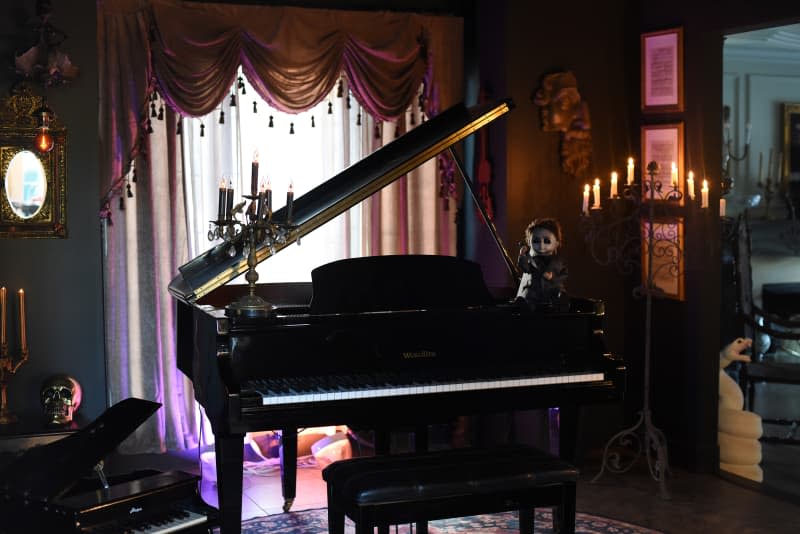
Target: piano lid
(216, 266)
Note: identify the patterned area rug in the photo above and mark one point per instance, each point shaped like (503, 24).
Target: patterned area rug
(316, 522)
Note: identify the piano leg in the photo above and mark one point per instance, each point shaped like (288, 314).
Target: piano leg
(383, 445)
(288, 452)
(420, 446)
(230, 457)
(568, 432)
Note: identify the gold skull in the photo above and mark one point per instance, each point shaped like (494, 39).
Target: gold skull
(61, 396)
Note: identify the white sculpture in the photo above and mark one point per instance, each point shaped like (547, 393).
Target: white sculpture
(738, 431)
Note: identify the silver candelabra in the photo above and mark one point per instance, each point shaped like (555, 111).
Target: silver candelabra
(255, 229)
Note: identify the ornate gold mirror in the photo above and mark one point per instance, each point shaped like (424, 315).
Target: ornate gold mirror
(32, 183)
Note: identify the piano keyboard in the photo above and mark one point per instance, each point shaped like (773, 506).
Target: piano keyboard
(171, 521)
(274, 392)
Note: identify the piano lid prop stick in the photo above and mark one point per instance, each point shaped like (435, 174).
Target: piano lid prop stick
(511, 264)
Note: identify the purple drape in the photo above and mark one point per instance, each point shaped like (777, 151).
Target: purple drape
(189, 53)
(293, 57)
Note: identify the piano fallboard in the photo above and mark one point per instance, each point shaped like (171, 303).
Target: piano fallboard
(288, 369)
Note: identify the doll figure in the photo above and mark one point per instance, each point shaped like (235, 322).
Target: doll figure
(543, 270)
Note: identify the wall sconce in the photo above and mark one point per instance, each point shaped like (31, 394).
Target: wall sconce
(44, 139)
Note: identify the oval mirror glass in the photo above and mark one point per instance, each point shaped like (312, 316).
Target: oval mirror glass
(26, 184)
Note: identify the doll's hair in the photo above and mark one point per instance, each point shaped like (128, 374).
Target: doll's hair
(545, 223)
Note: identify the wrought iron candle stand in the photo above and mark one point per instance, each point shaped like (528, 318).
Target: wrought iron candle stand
(620, 235)
(256, 229)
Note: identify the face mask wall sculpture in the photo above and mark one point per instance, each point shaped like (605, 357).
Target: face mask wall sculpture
(61, 397)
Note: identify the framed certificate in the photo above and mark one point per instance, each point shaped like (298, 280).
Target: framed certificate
(662, 71)
(663, 144)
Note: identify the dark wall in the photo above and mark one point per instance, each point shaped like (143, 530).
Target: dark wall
(515, 44)
(688, 362)
(62, 278)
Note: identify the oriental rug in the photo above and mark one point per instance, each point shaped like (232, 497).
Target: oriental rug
(316, 522)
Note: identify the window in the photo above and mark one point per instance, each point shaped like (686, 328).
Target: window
(303, 150)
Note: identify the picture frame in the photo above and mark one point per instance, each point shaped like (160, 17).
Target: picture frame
(664, 144)
(662, 71)
(668, 265)
(790, 166)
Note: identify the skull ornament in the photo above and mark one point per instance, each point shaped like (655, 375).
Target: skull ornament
(61, 397)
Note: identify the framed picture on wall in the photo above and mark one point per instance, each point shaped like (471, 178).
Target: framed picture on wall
(663, 144)
(662, 71)
(790, 166)
(666, 277)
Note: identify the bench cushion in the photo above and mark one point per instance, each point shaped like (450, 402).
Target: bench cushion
(381, 480)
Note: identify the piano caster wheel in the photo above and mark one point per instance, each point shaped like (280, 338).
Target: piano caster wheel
(287, 504)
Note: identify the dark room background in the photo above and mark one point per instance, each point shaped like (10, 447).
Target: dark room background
(509, 47)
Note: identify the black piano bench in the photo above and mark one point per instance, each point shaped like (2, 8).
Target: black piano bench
(405, 488)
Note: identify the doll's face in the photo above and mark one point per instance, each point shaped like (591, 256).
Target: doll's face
(543, 242)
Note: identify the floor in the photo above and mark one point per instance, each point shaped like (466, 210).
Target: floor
(697, 503)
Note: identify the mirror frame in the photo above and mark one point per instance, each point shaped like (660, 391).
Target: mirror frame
(18, 129)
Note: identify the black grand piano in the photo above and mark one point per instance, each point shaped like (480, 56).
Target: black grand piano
(378, 342)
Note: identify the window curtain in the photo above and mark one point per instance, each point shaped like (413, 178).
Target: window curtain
(189, 54)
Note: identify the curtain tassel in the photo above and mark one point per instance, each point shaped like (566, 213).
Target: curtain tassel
(233, 100)
(313, 125)
(241, 85)
(202, 130)
(330, 107)
(271, 123)
(221, 116)
(291, 128)
(255, 109)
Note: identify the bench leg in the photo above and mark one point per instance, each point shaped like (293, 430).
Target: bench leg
(526, 520)
(422, 527)
(564, 515)
(335, 515)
